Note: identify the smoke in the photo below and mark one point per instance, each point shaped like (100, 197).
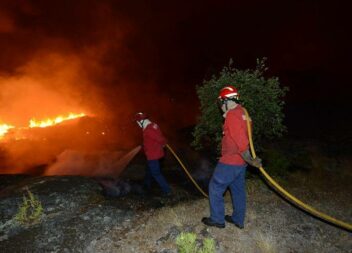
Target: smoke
(94, 163)
(6, 23)
(43, 88)
(73, 162)
(50, 84)
(83, 56)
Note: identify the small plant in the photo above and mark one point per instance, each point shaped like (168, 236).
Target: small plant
(186, 243)
(208, 246)
(30, 211)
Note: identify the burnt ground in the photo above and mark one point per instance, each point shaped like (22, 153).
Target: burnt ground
(76, 211)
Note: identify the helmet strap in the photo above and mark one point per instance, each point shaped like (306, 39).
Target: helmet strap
(141, 123)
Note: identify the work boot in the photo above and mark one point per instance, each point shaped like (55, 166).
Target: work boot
(209, 222)
(228, 218)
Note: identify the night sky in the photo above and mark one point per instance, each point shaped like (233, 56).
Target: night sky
(118, 57)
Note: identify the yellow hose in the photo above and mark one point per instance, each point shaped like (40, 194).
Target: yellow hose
(187, 172)
(274, 184)
(290, 197)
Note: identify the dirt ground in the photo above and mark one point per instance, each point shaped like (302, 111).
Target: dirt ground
(272, 224)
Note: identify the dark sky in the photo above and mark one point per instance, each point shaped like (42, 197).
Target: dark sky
(125, 55)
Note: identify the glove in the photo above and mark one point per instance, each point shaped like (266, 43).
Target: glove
(255, 162)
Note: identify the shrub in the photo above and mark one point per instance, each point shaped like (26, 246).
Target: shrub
(186, 243)
(208, 246)
(261, 96)
(30, 211)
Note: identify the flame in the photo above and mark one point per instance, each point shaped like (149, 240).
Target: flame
(54, 121)
(4, 129)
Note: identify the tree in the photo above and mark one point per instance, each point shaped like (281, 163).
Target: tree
(262, 97)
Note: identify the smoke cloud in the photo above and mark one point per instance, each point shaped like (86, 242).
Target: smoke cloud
(61, 57)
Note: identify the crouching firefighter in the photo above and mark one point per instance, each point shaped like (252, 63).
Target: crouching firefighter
(231, 168)
(153, 147)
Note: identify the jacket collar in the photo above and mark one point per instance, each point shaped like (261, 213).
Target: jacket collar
(146, 122)
(231, 109)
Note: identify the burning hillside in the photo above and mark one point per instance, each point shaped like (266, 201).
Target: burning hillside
(4, 128)
(88, 62)
(9, 132)
(52, 103)
(59, 142)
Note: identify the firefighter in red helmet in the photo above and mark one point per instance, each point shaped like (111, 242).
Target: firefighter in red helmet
(231, 168)
(153, 146)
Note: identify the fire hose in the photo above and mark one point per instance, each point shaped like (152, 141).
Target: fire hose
(292, 199)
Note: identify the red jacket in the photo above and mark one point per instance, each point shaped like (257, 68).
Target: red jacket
(235, 137)
(153, 142)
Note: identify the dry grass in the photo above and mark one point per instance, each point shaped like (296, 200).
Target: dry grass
(186, 217)
(272, 225)
(266, 243)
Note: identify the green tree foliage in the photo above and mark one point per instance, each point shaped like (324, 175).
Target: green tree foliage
(262, 97)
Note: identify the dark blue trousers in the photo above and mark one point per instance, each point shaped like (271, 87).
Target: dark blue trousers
(153, 172)
(231, 176)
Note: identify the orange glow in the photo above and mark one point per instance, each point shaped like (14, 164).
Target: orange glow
(4, 128)
(54, 121)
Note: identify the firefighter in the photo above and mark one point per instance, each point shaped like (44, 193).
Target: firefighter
(231, 168)
(153, 147)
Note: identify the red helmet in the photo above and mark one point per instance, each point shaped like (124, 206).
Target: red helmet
(228, 92)
(140, 116)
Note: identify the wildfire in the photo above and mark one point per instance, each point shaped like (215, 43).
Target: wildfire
(4, 128)
(54, 121)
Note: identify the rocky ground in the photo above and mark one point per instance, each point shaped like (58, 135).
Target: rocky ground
(272, 225)
(76, 212)
(78, 216)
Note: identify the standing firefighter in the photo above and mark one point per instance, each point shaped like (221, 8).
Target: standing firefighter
(153, 146)
(231, 168)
